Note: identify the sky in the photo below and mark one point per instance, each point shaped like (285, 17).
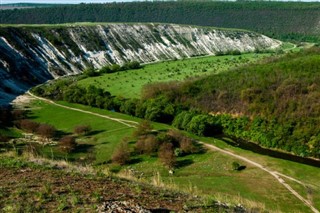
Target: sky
(80, 1)
(60, 1)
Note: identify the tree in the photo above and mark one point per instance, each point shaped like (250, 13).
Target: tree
(115, 67)
(67, 143)
(167, 156)
(121, 155)
(105, 69)
(46, 131)
(147, 144)
(144, 128)
(187, 146)
(90, 72)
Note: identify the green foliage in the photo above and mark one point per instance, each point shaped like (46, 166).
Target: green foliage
(235, 165)
(116, 67)
(90, 72)
(273, 103)
(283, 20)
(130, 84)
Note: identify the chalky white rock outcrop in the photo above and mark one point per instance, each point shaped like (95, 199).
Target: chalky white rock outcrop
(31, 55)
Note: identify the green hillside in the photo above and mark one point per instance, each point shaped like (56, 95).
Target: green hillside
(283, 20)
(274, 103)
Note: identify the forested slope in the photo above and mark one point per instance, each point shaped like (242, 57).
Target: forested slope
(282, 20)
(275, 103)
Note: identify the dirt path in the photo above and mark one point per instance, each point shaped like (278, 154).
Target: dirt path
(133, 124)
(276, 175)
(127, 123)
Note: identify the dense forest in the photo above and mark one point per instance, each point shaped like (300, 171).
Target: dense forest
(274, 103)
(282, 20)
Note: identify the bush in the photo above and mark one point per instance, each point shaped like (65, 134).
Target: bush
(82, 129)
(105, 69)
(68, 143)
(29, 126)
(90, 72)
(167, 156)
(147, 145)
(115, 67)
(237, 166)
(144, 128)
(187, 146)
(46, 131)
(121, 155)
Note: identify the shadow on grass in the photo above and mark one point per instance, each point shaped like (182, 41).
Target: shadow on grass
(106, 142)
(60, 134)
(132, 142)
(135, 160)
(94, 132)
(83, 148)
(241, 168)
(184, 163)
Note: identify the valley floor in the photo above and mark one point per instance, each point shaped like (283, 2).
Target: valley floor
(278, 179)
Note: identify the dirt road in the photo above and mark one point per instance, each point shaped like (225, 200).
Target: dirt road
(133, 124)
(276, 175)
(122, 121)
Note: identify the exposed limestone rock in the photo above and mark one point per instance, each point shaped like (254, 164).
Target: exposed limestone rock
(32, 55)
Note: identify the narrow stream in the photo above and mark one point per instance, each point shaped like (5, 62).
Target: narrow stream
(272, 153)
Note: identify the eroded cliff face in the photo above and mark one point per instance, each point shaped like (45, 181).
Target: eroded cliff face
(32, 55)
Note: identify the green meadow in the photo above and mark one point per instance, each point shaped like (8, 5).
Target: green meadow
(209, 174)
(129, 83)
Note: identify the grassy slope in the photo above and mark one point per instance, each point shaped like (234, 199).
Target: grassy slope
(28, 187)
(209, 173)
(129, 83)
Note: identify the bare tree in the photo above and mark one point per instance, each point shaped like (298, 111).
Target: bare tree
(147, 144)
(187, 146)
(167, 156)
(46, 131)
(29, 126)
(82, 129)
(68, 143)
(121, 155)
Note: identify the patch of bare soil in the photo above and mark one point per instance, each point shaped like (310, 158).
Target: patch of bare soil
(22, 100)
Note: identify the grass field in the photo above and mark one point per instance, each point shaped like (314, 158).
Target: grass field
(207, 174)
(129, 83)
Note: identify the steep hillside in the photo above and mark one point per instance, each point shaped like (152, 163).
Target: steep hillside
(31, 55)
(275, 103)
(282, 20)
(41, 185)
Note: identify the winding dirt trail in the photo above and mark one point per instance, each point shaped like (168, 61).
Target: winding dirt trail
(127, 123)
(133, 124)
(276, 175)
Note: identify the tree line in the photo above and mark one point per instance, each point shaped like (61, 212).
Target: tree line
(167, 146)
(273, 103)
(282, 20)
